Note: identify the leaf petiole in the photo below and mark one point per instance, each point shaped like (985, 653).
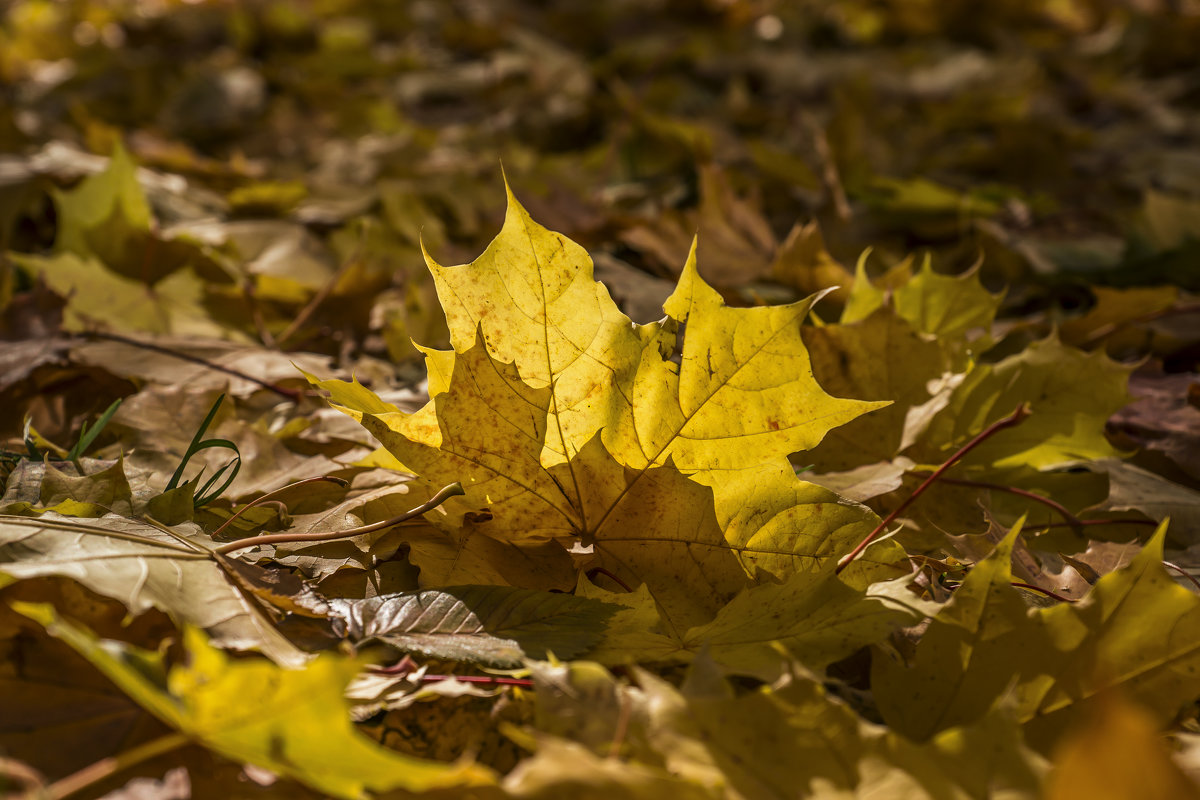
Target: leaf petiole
(107, 767)
(1015, 418)
(442, 496)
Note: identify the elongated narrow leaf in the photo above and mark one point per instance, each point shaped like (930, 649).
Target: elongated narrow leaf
(292, 722)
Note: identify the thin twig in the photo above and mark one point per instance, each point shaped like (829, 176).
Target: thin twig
(290, 394)
(320, 297)
(1101, 521)
(830, 175)
(623, 714)
(1183, 572)
(269, 496)
(321, 536)
(260, 324)
(524, 683)
(107, 767)
(1067, 516)
(1015, 418)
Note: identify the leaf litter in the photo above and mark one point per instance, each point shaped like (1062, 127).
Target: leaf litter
(646, 584)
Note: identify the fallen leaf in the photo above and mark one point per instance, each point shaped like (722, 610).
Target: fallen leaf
(292, 722)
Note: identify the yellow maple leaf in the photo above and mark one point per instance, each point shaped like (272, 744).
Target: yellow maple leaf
(663, 447)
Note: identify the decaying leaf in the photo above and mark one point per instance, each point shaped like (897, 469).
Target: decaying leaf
(143, 566)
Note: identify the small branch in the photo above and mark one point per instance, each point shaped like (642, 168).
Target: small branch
(280, 538)
(1067, 516)
(524, 683)
(1102, 521)
(290, 394)
(107, 767)
(320, 297)
(1183, 572)
(1016, 418)
(270, 496)
(623, 714)
(260, 325)
(1040, 590)
(830, 175)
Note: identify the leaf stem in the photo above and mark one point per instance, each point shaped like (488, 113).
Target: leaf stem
(107, 767)
(1098, 521)
(290, 394)
(1015, 418)
(273, 494)
(321, 536)
(1070, 519)
(486, 680)
(1183, 572)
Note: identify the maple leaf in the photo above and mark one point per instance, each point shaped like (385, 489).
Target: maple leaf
(881, 356)
(566, 421)
(1071, 395)
(791, 737)
(963, 661)
(1057, 659)
(292, 722)
(940, 305)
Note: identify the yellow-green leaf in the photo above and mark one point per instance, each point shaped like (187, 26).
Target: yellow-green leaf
(964, 659)
(292, 722)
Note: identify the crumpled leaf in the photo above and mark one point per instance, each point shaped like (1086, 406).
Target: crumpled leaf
(292, 722)
(143, 567)
(497, 625)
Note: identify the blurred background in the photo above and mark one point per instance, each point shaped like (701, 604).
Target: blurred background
(293, 155)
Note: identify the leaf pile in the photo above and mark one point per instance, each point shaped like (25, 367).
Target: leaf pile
(628, 502)
(616, 511)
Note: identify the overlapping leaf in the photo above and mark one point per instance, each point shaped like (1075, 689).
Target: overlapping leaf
(292, 722)
(143, 567)
(663, 447)
(1136, 629)
(491, 624)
